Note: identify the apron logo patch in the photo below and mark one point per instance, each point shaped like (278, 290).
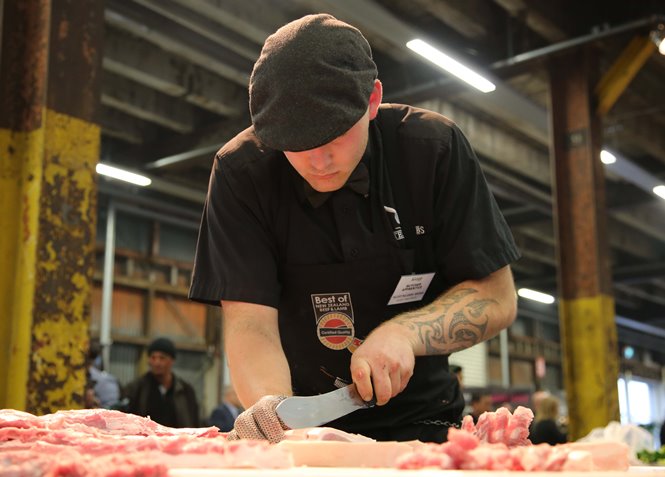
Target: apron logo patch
(334, 319)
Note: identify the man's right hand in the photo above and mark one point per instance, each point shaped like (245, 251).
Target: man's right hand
(260, 422)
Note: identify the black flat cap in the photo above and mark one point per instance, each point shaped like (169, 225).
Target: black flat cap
(311, 83)
(163, 345)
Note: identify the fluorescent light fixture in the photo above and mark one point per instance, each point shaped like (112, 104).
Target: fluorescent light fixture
(122, 175)
(607, 157)
(451, 65)
(658, 37)
(535, 295)
(659, 191)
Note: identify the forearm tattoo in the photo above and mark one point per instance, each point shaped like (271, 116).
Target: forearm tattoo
(442, 333)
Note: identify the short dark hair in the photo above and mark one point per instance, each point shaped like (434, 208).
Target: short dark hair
(163, 345)
(477, 396)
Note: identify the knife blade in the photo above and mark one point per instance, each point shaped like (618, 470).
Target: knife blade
(298, 412)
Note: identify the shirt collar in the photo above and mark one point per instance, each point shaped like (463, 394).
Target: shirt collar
(358, 181)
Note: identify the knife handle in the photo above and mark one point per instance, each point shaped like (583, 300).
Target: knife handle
(371, 402)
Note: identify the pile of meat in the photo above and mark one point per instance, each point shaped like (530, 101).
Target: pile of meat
(111, 443)
(499, 441)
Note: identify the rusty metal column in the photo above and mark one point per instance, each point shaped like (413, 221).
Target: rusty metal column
(586, 308)
(59, 269)
(23, 80)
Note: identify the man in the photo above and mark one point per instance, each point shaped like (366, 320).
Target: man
(480, 403)
(225, 414)
(348, 242)
(456, 370)
(104, 390)
(159, 393)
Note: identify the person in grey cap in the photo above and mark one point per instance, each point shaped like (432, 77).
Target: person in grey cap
(159, 393)
(348, 241)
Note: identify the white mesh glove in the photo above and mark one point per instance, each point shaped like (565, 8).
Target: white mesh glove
(260, 422)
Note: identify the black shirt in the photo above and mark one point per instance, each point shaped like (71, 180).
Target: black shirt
(246, 232)
(546, 432)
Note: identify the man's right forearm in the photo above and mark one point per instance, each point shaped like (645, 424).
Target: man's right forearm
(254, 352)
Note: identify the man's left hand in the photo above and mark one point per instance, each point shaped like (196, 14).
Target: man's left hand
(382, 366)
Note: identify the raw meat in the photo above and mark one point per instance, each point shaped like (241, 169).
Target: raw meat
(499, 441)
(111, 443)
(102, 420)
(100, 443)
(606, 455)
(501, 426)
(344, 454)
(324, 434)
(465, 451)
(328, 447)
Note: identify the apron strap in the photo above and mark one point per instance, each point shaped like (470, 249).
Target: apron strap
(392, 154)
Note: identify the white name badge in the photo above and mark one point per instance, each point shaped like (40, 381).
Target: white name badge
(411, 288)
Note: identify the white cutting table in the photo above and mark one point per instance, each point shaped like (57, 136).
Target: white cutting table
(641, 471)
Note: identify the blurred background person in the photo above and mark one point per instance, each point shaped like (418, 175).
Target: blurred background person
(456, 370)
(545, 427)
(159, 393)
(103, 389)
(480, 403)
(224, 415)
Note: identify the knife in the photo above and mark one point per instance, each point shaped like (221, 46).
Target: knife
(298, 412)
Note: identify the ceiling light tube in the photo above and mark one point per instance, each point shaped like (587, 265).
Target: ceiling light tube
(451, 65)
(122, 175)
(659, 191)
(535, 295)
(607, 157)
(658, 37)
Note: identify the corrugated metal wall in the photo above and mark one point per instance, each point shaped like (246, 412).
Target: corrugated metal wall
(474, 365)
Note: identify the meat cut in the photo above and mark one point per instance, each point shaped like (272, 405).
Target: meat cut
(102, 443)
(111, 443)
(328, 447)
(499, 441)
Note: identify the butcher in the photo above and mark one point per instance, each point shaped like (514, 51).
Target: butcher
(348, 241)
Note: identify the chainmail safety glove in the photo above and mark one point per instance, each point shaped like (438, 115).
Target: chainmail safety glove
(260, 422)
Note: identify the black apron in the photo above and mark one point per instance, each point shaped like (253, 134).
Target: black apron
(326, 311)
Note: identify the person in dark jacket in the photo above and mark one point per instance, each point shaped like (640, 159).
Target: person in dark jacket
(159, 393)
(224, 415)
(545, 428)
(480, 403)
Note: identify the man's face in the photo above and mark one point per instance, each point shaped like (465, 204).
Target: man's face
(328, 167)
(160, 363)
(484, 404)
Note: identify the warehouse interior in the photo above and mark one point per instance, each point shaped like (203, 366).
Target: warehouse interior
(160, 85)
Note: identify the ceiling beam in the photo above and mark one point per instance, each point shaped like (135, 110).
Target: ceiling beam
(143, 62)
(205, 26)
(543, 24)
(119, 125)
(173, 38)
(253, 19)
(145, 103)
(470, 18)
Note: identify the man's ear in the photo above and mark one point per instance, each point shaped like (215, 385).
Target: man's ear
(375, 99)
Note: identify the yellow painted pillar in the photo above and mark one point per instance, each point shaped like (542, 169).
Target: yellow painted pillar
(47, 336)
(586, 309)
(22, 102)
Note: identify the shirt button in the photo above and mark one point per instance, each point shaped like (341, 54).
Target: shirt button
(354, 252)
(346, 209)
